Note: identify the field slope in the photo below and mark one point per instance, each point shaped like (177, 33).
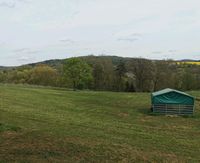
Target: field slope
(54, 125)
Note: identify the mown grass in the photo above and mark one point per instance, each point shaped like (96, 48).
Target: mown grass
(50, 125)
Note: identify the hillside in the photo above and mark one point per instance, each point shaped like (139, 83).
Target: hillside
(39, 124)
(6, 68)
(58, 62)
(115, 60)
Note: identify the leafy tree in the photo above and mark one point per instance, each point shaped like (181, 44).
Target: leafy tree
(120, 75)
(2, 77)
(163, 75)
(78, 73)
(143, 70)
(103, 73)
(43, 75)
(188, 80)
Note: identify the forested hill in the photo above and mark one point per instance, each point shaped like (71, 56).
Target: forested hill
(56, 63)
(110, 73)
(115, 60)
(6, 68)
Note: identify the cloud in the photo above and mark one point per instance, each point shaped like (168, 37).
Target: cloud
(26, 51)
(157, 52)
(75, 13)
(20, 50)
(24, 58)
(130, 37)
(11, 3)
(2, 44)
(25, 55)
(161, 52)
(136, 35)
(24, 1)
(68, 41)
(172, 51)
(7, 4)
(33, 51)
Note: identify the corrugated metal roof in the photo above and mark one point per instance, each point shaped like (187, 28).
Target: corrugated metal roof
(168, 90)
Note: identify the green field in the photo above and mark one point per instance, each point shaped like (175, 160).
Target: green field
(56, 125)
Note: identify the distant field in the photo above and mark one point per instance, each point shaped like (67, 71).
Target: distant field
(50, 125)
(190, 63)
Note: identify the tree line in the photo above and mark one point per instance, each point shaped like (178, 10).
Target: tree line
(107, 73)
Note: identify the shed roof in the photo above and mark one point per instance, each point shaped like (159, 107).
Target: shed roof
(168, 90)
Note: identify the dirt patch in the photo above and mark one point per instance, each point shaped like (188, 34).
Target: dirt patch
(37, 147)
(9, 134)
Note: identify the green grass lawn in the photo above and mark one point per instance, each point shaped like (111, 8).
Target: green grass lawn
(56, 125)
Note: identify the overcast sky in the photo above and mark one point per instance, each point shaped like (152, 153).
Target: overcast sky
(36, 30)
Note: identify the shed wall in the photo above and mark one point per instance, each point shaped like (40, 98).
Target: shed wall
(173, 109)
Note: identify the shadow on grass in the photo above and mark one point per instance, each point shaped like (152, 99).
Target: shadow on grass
(145, 111)
(4, 127)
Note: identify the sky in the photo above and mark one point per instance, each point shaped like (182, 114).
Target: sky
(37, 30)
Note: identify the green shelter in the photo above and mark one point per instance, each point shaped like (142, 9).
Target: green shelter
(170, 101)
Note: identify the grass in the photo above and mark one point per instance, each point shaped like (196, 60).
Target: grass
(50, 125)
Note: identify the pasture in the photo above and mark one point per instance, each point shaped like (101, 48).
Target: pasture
(40, 124)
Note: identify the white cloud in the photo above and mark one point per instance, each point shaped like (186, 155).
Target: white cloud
(11, 3)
